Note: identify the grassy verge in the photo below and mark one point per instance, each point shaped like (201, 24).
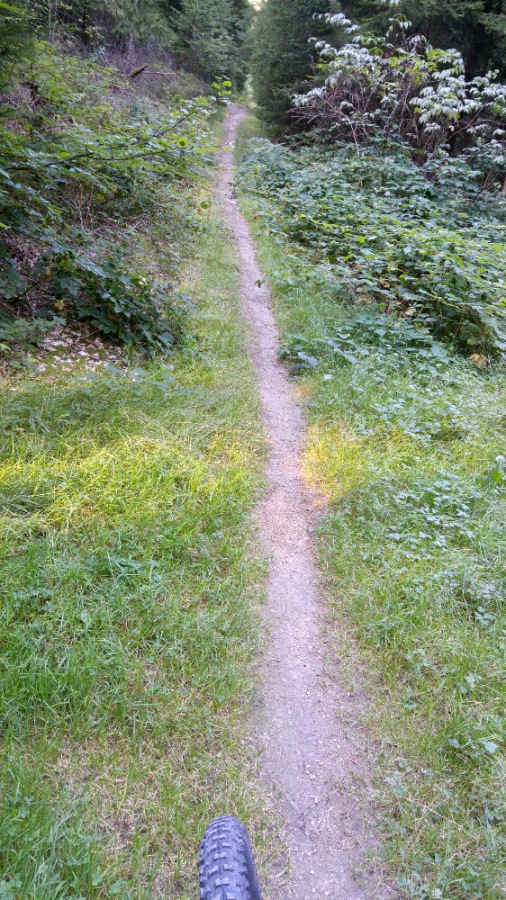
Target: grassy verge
(404, 447)
(127, 620)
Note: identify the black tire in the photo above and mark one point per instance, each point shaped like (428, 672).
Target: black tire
(227, 867)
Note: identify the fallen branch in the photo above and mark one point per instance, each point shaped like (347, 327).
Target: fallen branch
(138, 71)
(142, 71)
(160, 73)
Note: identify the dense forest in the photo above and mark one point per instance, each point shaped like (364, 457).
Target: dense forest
(206, 38)
(316, 73)
(99, 117)
(371, 168)
(283, 59)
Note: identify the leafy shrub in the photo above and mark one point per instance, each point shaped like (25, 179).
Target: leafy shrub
(353, 336)
(431, 251)
(24, 333)
(127, 306)
(87, 163)
(405, 88)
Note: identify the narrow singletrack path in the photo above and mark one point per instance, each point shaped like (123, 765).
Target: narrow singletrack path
(307, 754)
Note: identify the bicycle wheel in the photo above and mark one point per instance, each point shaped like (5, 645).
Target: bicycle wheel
(227, 867)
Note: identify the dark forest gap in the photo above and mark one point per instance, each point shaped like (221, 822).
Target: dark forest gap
(306, 754)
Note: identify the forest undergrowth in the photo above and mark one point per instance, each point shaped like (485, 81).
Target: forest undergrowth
(129, 590)
(93, 180)
(406, 441)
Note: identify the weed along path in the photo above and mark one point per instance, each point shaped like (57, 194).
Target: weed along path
(307, 755)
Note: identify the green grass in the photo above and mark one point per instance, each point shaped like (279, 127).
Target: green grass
(403, 447)
(128, 615)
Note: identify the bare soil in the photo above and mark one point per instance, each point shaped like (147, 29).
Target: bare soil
(312, 753)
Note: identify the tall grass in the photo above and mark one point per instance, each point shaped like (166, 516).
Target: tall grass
(127, 620)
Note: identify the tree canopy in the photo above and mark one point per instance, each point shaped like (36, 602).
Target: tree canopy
(206, 37)
(477, 28)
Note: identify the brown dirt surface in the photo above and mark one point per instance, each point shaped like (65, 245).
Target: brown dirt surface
(312, 751)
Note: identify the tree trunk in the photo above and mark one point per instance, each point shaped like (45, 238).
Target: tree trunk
(131, 36)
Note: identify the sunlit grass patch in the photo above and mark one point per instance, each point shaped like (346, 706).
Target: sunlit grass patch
(334, 460)
(45, 845)
(127, 622)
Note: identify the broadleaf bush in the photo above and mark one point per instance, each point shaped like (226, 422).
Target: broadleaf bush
(87, 163)
(401, 87)
(430, 251)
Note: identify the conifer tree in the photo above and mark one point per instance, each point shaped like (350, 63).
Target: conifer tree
(282, 56)
(477, 28)
(210, 37)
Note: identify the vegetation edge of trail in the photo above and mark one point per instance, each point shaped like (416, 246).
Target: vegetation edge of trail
(128, 620)
(406, 445)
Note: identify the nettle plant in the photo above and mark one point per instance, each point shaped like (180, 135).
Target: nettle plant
(402, 87)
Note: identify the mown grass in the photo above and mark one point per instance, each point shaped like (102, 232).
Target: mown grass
(128, 620)
(404, 448)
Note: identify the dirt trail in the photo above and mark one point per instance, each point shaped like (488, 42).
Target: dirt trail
(307, 754)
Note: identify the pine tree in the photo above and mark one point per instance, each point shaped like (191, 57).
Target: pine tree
(94, 22)
(477, 28)
(282, 56)
(210, 37)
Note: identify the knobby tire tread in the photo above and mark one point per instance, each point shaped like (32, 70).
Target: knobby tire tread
(227, 867)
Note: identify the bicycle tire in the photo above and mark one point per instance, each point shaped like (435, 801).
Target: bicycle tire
(227, 869)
